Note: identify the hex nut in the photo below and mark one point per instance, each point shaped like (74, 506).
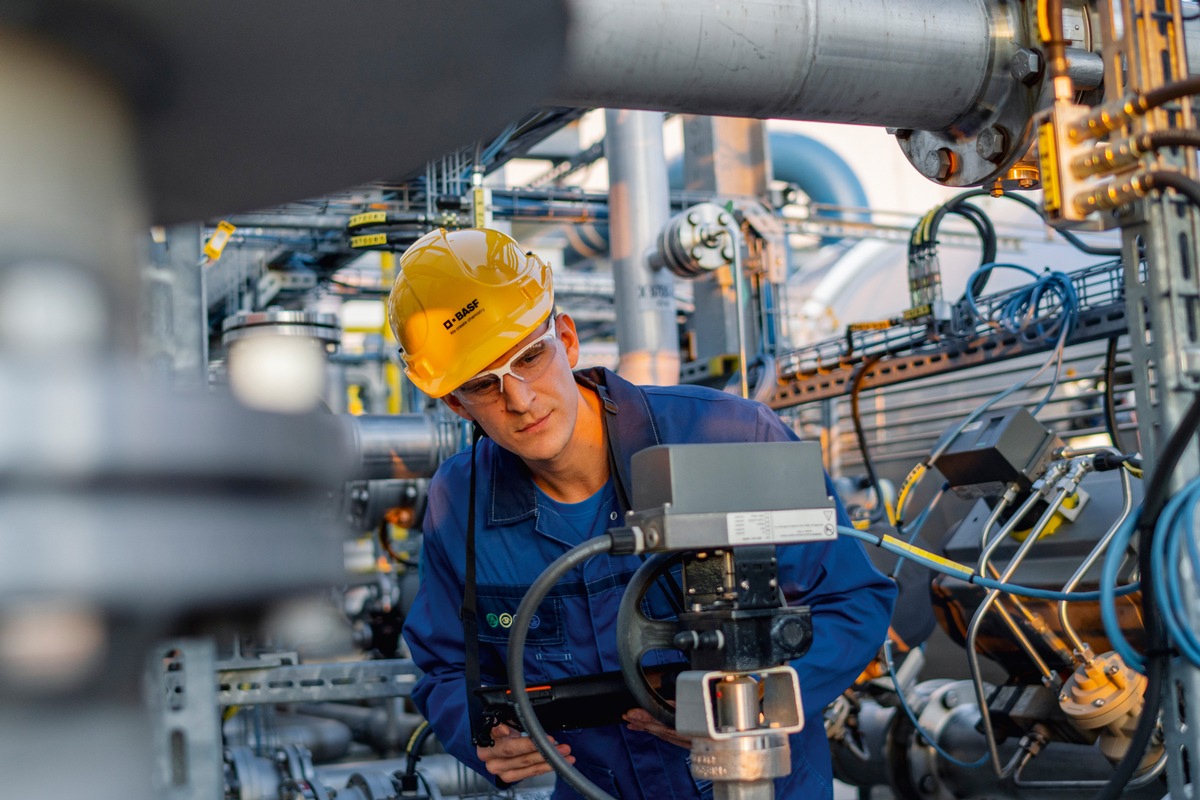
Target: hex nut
(1026, 66)
(939, 164)
(991, 143)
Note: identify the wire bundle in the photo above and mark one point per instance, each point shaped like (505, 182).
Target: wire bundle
(1024, 310)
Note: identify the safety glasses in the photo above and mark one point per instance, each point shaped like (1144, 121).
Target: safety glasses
(527, 364)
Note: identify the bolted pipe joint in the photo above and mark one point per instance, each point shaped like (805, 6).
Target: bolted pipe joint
(991, 135)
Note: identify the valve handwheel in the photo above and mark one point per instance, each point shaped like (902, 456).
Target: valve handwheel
(638, 634)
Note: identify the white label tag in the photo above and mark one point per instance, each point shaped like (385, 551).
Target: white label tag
(782, 527)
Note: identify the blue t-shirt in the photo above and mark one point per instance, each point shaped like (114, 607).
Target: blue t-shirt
(588, 518)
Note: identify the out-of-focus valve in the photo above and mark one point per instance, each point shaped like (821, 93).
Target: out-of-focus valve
(1106, 697)
(697, 241)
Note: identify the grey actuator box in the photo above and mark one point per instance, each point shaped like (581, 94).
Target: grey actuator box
(690, 496)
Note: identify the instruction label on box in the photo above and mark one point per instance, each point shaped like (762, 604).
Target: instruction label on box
(782, 527)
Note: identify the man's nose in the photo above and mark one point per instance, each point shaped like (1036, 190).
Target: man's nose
(518, 394)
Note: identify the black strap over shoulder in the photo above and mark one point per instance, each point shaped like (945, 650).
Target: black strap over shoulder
(481, 733)
(616, 465)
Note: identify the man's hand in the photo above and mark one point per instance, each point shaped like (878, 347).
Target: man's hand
(640, 719)
(515, 757)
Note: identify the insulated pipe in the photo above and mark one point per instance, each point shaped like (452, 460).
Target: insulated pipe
(638, 208)
(916, 65)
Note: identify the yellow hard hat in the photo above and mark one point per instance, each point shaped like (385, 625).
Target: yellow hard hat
(461, 300)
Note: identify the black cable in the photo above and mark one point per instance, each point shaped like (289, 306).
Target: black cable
(1071, 238)
(1156, 651)
(1110, 405)
(1074, 240)
(516, 663)
(1162, 179)
(1158, 139)
(880, 509)
(987, 235)
(1168, 458)
(1175, 90)
(414, 749)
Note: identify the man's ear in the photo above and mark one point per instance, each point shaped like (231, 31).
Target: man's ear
(569, 337)
(455, 405)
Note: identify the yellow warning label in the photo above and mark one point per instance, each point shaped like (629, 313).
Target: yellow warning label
(368, 218)
(368, 240)
(918, 311)
(479, 207)
(1048, 156)
(881, 325)
(216, 243)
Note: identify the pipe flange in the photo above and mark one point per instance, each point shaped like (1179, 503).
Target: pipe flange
(694, 242)
(373, 785)
(758, 757)
(325, 328)
(980, 146)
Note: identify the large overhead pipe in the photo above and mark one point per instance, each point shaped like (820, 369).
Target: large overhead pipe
(916, 65)
(922, 67)
(639, 207)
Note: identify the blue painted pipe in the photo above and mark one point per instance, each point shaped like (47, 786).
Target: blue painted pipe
(820, 173)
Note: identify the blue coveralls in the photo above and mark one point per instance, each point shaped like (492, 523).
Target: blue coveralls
(516, 539)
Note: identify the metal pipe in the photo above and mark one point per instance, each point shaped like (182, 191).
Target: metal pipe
(1008, 497)
(1023, 640)
(399, 445)
(1085, 653)
(1136, 783)
(929, 60)
(1011, 525)
(440, 770)
(379, 727)
(639, 208)
(973, 628)
(739, 299)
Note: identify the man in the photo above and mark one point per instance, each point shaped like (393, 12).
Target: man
(475, 319)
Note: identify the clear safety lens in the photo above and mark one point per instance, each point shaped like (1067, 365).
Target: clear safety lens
(528, 364)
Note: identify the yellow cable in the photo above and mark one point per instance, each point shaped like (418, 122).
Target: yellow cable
(1043, 22)
(927, 224)
(910, 482)
(953, 566)
(416, 732)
